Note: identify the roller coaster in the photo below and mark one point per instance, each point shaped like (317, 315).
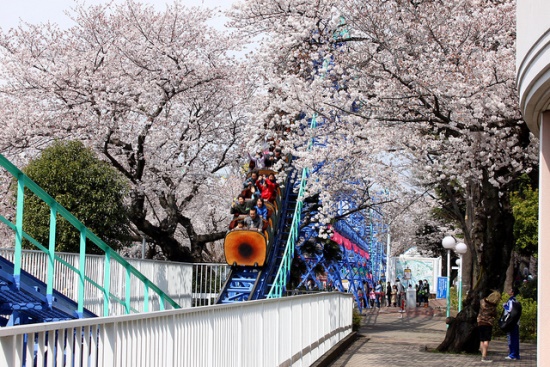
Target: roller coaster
(261, 263)
(261, 260)
(255, 257)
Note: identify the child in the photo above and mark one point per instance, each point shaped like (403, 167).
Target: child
(240, 225)
(394, 296)
(372, 298)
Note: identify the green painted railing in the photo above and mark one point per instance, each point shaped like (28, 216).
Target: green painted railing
(281, 279)
(85, 234)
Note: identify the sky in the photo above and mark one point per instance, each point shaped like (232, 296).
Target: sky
(39, 11)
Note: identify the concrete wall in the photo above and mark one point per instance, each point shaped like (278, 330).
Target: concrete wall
(533, 81)
(532, 59)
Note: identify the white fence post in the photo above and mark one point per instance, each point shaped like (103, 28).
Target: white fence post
(107, 345)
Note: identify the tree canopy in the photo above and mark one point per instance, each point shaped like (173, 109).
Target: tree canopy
(89, 188)
(525, 205)
(156, 94)
(415, 99)
(421, 92)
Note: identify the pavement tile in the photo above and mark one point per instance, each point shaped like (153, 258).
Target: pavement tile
(390, 338)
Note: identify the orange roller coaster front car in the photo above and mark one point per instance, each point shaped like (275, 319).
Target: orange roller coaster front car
(245, 248)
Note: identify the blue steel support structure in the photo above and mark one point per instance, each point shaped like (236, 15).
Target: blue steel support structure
(359, 267)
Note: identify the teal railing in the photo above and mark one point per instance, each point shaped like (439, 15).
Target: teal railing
(281, 279)
(111, 255)
(284, 270)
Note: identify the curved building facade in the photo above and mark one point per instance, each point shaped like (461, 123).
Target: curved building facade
(533, 83)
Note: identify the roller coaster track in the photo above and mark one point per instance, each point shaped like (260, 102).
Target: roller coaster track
(278, 254)
(248, 283)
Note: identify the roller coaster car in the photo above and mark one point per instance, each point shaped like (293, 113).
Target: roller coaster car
(248, 247)
(245, 248)
(264, 171)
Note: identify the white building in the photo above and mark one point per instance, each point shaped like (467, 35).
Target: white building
(533, 82)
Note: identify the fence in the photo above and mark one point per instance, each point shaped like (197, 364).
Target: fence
(208, 280)
(274, 332)
(187, 284)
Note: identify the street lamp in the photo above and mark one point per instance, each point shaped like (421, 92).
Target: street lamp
(448, 243)
(460, 249)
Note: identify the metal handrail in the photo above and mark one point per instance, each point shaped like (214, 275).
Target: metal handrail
(23, 182)
(281, 279)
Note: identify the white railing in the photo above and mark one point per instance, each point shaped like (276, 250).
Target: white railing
(187, 284)
(208, 280)
(276, 332)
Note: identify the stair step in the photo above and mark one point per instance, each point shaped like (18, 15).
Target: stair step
(243, 279)
(239, 289)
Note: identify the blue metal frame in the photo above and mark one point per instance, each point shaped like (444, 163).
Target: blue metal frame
(358, 271)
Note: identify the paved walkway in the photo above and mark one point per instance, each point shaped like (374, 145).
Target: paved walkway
(389, 338)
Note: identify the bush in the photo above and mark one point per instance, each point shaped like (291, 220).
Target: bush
(87, 187)
(356, 320)
(528, 289)
(454, 298)
(528, 321)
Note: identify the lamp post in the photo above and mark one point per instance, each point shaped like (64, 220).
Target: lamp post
(388, 254)
(460, 249)
(448, 243)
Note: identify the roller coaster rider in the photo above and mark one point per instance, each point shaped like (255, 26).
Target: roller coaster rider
(275, 157)
(249, 186)
(253, 221)
(268, 187)
(258, 160)
(261, 209)
(241, 207)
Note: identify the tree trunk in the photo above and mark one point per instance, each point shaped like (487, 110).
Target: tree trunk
(509, 282)
(163, 234)
(492, 240)
(462, 334)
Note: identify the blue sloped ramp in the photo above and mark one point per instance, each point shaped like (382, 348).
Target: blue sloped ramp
(29, 304)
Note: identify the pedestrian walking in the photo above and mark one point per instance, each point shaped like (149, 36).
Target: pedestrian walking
(388, 294)
(485, 320)
(512, 314)
(400, 292)
(394, 296)
(379, 293)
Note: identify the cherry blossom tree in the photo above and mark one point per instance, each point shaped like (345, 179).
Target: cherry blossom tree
(295, 69)
(156, 94)
(429, 84)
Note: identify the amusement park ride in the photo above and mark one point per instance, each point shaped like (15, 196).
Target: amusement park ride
(360, 236)
(260, 262)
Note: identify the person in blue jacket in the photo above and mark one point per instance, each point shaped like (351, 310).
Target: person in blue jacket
(513, 307)
(261, 209)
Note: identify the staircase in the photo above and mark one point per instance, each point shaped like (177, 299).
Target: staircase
(25, 299)
(29, 303)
